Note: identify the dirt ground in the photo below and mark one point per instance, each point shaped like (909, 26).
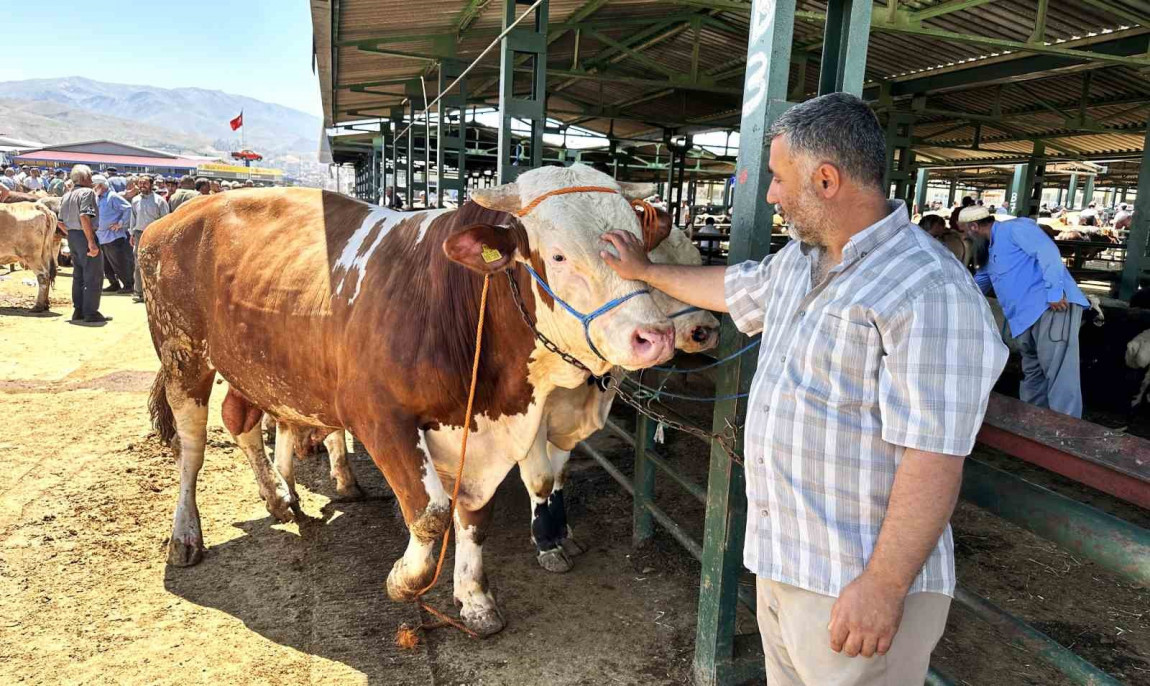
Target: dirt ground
(86, 502)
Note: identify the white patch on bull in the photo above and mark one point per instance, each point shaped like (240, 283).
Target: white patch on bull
(191, 421)
(469, 581)
(349, 257)
(436, 495)
(426, 223)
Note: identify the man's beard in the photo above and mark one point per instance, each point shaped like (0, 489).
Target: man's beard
(809, 219)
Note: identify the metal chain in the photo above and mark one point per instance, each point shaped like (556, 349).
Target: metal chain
(567, 357)
(727, 440)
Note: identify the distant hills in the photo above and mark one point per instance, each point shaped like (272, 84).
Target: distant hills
(179, 120)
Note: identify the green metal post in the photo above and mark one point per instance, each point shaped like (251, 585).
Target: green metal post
(899, 155)
(643, 481)
(1139, 228)
(1122, 198)
(409, 176)
(452, 139)
(1088, 191)
(765, 89)
(1019, 191)
(952, 192)
(1059, 200)
(1072, 192)
(845, 40)
(920, 190)
(531, 42)
(1115, 544)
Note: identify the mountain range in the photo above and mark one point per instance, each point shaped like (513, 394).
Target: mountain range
(182, 120)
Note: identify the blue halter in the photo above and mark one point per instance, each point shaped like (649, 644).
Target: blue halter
(584, 319)
(685, 310)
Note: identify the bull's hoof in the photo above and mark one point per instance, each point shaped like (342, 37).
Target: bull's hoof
(350, 491)
(39, 308)
(400, 585)
(185, 553)
(485, 622)
(572, 547)
(283, 507)
(555, 561)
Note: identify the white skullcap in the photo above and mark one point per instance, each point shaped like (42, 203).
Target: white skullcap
(98, 179)
(972, 214)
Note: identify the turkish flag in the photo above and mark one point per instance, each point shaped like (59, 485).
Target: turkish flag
(238, 121)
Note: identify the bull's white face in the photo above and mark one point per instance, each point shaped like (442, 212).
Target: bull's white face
(696, 331)
(564, 232)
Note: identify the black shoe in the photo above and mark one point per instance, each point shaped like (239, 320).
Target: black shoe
(112, 289)
(76, 316)
(96, 319)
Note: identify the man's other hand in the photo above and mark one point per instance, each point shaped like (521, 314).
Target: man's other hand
(1061, 305)
(93, 250)
(865, 617)
(632, 262)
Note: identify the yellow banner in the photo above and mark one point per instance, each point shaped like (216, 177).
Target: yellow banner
(235, 169)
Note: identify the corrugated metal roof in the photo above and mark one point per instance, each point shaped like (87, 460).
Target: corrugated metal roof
(641, 110)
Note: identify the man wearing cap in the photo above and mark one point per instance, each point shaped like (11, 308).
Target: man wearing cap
(1042, 305)
(112, 235)
(147, 207)
(56, 187)
(115, 181)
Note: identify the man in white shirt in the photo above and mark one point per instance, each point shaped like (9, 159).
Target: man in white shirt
(33, 182)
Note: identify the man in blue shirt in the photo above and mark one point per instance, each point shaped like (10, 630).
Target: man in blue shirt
(1042, 305)
(112, 234)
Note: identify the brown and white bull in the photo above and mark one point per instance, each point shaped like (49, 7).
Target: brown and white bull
(28, 237)
(332, 314)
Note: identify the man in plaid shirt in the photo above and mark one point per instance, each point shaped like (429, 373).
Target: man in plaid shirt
(878, 355)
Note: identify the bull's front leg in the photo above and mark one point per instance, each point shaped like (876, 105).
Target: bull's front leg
(472, 595)
(547, 532)
(401, 453)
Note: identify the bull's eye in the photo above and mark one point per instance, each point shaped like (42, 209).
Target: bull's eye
(558, 258)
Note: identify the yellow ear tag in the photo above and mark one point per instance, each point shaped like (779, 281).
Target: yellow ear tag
(491, 255)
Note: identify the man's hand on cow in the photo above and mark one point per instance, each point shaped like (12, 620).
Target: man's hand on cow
(93, 250)
(632, 261)
(866, 616)
(1061, 305)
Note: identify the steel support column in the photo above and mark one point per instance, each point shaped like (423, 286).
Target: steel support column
(1071, 192)
(1122, 198)
(1139, 227)
(1088, 192)
(1059, 200)
(899, 155)
(920, 190)
(951, 192)
(764, 99)
(451, 148)
(532, 43)
(844, 46)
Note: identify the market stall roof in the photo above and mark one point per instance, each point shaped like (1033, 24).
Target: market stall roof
(985, 77)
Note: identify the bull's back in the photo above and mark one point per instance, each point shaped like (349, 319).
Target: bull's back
(246, 276)
(26, 230)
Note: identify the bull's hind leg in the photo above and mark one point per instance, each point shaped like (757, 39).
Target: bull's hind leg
(242, 419)
(400, 451)
(345, 484)
(179, 407)
(477, 606)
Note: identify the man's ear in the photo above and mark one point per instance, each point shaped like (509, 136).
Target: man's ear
(484, 248)
(828, 180)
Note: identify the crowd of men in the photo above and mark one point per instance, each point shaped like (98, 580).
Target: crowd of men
(103, 216)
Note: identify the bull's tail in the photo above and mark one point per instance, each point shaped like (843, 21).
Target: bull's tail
(163, 421)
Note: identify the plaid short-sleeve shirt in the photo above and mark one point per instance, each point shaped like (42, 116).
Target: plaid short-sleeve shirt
(895, 349)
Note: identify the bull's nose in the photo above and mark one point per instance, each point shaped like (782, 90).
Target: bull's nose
(703, 334)
(652, 345)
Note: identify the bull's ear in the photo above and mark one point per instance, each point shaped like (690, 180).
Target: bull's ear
(503, 198)
(483, 248)
(637, 190)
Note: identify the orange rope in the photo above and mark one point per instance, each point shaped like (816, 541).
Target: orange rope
(459, 470)
(648, 216)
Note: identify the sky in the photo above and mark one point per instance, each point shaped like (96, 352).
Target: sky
(257, 48)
